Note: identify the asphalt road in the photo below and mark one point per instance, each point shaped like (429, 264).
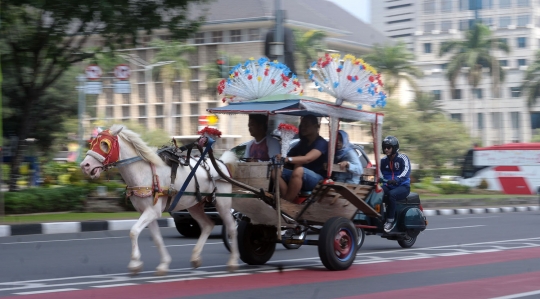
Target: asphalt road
(458, 256)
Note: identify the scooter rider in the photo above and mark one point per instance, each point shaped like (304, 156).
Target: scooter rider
(396, 171)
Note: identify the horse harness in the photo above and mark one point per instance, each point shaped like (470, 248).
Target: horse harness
(171, 155)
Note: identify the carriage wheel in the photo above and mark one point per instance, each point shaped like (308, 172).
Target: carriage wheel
(338, 243)
(256, 243)
(361, 237)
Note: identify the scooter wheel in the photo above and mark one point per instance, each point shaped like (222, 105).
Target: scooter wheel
(408, 242)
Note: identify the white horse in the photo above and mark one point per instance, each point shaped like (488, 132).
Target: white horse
(119, 143)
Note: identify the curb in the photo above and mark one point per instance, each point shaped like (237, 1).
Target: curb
(464, 211)
(73, 227)
(90, 226)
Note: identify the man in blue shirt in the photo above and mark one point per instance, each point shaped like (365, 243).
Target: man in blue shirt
(308, 158)
(396, 171)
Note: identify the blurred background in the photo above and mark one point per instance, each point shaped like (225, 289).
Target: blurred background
(459, 74)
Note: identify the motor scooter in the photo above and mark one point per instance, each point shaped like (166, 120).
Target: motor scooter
(409, 220)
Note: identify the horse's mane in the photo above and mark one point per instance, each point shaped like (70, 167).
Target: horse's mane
(141, 148)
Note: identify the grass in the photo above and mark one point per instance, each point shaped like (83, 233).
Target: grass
(68, 216)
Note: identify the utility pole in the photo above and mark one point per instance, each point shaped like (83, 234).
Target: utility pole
(279, 45)
(82, 107)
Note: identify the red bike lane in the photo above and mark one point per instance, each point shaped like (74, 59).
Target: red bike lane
(478, 288)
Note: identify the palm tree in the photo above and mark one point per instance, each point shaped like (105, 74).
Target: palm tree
(427, 105)
(531, 82)
(215, 71)
(172, 51)
(308, 44)
(395, 63)
(470, 56)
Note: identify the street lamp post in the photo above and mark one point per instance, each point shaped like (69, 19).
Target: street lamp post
(82, 105)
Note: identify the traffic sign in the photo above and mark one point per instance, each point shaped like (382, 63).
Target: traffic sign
(93, 87)
(122, 72)
(93, 72)
(122, 86)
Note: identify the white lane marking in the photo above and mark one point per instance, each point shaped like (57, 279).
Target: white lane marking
(526, 294)
(460, 218)
(175, 279)
(115, 285)
(184, 245)
(441, 228)
(67, 240)
(46, 291)
(228, 275)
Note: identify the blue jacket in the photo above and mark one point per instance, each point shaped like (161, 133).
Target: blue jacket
(398, 169)
(355, 170)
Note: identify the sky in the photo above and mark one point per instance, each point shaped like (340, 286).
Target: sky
(359, 8)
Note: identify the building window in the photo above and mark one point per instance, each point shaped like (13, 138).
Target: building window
(456, 116)
(496, 119)
(523, 20)
(109, 112)
(160, 123)
(505, 22)
(522, 42)
(177, 92)
(487, 21)
(194, 90)
(427, 47)
(480, 119)
(523, 3)
(159, 110)
(505, 3)
(514, 119)
(142, 111)
(217, 36)
(194, 123)
(194, 108)
(429, 26)
(446, 25)
(436, 95)
(487, 4)
(399, 6)
(125, 111)
(142, 92)
(464, 25)
(178, 109)
(446, 6)
(199, 38)
(522, 62)
(503, 62)
(398, 21)
(535, 120)
(253, 34)
(477, 93)
(456, 94)
(515, 92)
(212, 105)
(159, 92)
(236, 36)
(429, 6)
(463, 4)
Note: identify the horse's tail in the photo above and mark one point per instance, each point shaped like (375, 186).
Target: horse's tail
(230, 160)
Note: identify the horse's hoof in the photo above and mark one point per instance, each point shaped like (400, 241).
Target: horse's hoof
(135, 267)
(232, 268)
(196, 263)
(162, 270)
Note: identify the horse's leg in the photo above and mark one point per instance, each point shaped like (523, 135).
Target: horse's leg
(147, 216)
(163, 267)
(223, 205)
(197, 211)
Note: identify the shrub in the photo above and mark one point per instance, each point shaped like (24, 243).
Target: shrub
(483, 184)
(40, 200)
(448, 188)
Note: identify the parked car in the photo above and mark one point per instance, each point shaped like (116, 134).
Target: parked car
(188, 227)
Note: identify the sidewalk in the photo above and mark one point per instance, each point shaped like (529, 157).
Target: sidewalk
(431, 208)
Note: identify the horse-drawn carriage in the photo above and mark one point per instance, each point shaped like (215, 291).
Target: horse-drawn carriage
(262, 87)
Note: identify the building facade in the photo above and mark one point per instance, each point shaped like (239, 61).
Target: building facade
(490, 118)
(238, 28)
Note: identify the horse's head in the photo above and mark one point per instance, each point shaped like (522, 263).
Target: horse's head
(104, 150)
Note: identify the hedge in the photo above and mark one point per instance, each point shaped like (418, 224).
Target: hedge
(41, 200)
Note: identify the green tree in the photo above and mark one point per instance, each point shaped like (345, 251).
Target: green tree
(174, 51)
(531, 82)
(431, 142)
(40, 40)
(470, 56)
(215, 70)
(395, 63)
(427, 105)
(307, 45)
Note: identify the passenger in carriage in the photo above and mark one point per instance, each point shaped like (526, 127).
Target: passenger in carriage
(348, 161)
(307, 158)
(263, 146)
(396, 171)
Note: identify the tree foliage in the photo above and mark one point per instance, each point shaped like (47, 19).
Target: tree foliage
(308, 44)
(531, 82)
(395, 63)
(40, 40)
(174, 52)
(430, 140)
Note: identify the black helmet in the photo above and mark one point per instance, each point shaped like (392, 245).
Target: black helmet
(391, 141)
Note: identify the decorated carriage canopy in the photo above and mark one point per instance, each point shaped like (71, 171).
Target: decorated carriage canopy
(268, 87)
(296, 105)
